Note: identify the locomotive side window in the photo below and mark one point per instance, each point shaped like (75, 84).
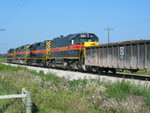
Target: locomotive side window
(89, 40)
(76, 41)
(83, 40)
(72, 42)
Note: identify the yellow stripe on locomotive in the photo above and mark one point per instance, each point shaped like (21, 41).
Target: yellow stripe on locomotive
(88, 44)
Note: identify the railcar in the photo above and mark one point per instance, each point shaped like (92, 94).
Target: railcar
(129, 55)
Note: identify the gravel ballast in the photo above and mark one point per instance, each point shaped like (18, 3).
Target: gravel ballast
(74, 75)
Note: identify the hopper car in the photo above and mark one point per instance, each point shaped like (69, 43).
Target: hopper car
(127, 55)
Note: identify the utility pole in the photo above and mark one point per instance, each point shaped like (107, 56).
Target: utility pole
(108, 29)
(2, 29)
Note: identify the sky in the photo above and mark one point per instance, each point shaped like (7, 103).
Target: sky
(30, 21)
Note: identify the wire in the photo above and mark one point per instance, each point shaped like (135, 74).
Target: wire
(19, 5)
(11, 12)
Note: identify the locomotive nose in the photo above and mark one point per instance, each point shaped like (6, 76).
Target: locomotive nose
(88, 44)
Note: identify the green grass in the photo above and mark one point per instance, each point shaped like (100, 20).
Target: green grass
(51, 94)
(122, 90)
(141, 72)
(3, 59)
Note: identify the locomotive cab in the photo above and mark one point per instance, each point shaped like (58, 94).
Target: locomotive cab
(86, 39)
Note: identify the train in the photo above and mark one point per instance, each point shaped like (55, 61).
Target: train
(82, 51)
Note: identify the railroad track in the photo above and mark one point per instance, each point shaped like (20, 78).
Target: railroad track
(130, 76)
(120, 75)
(74, 75)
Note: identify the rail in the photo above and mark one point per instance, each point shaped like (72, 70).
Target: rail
(26, 99)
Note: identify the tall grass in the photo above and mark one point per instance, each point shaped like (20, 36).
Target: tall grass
(51, 94)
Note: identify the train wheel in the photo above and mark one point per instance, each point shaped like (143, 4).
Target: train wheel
(40, 64)
(133, 71)
(113, 71)
(106, 71)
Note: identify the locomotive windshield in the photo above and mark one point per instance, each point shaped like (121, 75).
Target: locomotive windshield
(88, 38)
(84, 37)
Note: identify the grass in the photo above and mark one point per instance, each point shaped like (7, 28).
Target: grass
(141, 72)
(3, 59)
(122, 90)
(51, 94)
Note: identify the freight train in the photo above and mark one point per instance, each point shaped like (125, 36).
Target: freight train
(82, 51)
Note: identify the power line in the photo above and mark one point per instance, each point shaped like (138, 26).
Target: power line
(19, 5)
(9, 14)
(2, 29)
(108, 29)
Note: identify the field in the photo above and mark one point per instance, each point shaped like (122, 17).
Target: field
(51, 94)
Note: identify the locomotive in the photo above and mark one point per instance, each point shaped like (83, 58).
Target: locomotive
(67, 52)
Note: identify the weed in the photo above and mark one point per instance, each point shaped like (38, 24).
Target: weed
(51, 94)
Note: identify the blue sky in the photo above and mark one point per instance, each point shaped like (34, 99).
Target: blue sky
(30, 21)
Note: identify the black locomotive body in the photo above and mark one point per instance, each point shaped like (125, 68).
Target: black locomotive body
(10, 55)
(37, 53)
(18, 55)
(68, 51)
